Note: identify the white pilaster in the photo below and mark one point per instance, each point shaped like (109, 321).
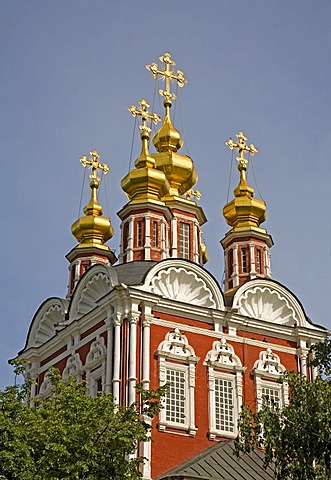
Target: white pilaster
(173, 246)
(117, 356)
(147, 245)
(132, 373)
(109, 357)
(129, 242)
(235, 275)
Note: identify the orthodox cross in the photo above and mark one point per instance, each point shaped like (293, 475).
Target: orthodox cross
(94, 164)
(242, 147)
(145, 115)
(168, 75)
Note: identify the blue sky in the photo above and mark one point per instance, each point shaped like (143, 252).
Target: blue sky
(71, 68)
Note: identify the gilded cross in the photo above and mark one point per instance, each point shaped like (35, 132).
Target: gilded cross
(242, 147)
(145, 115)
(168, 75)
(94, 164)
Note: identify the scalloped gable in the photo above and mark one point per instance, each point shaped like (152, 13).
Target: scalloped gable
(185, 282)
(267, 300)
(93, 285)
(49, 314)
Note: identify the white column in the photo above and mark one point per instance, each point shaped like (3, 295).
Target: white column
(147, 245)
(173, 246)
(195, 244)
(132, 373)
(109, 357)
(145, 447)
(226, 269)
(163, 239)
(117, 356)
(33, 375)
(235, 274)
(129, 242)
(303, 353)
(267, 262)
(147, 317)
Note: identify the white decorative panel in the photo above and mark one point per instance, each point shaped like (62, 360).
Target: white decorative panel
(267, 304)
(182, 285)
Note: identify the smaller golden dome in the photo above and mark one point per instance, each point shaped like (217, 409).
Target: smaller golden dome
(145, 183)
(93, 230)
(244, 212)
(168, 138)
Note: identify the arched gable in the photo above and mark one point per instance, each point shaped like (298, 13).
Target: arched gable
(184, 281)
(93, 285)
(268, 300)
(50, 313)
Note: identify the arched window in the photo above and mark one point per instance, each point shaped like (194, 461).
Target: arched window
(267, 372)
(73, 368)
(177, 363)
(96, 366)
(225, 389)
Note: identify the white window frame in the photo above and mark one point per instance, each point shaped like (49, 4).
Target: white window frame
(73, 368)
(224, 364)
(174, 353)
(95, 366)
(267, 372)
(184, 240)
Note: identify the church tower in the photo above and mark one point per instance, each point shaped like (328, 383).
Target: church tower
(161, 220)
(92, 230)
(246, 245)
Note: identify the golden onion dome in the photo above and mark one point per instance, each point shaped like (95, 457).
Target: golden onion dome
(179, 169)
(92, 229)
(244, 212)
(145, 183)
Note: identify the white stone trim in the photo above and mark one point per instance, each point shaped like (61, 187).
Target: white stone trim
(73, 368)
(224, 364)
(182, 358)
(267, 372)
(95, 365)
(282, 307)
(184, 281)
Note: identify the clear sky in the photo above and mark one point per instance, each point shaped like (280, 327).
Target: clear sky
(70, 69)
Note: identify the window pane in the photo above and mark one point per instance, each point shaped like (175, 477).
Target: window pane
(184, 240)
(224, 413)
(175, 399)
(271, 397)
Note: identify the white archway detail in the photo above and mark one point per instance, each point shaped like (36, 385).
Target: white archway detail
(269, 301)
(94, 284)
(185, 282)
(43, 327)
(73, 368)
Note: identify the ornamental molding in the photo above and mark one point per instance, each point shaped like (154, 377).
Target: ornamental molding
(93, 285)
(185, 282)
(269, 301)
(176, 346)
(268, 365)
(43, 327)
(97, 353)
(73, 367)
(222, 356)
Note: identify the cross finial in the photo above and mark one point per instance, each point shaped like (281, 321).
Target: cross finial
(145, 115)
(94, 164)
(168, 75)
(242, 148)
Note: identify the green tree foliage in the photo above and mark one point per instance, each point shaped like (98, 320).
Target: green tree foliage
(297, 438)
(70, 435)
